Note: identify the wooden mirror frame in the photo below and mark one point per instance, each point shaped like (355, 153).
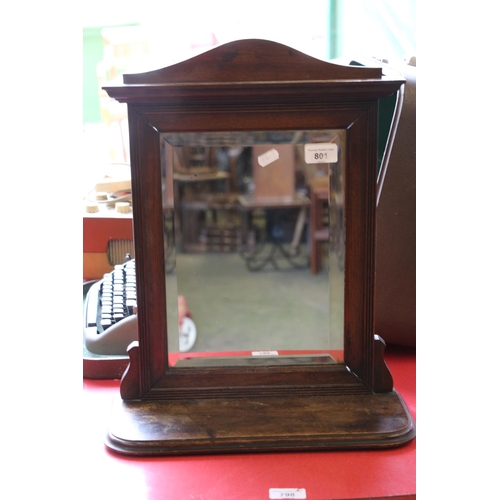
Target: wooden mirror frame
(256, 85)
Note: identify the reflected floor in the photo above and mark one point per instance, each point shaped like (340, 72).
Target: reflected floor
(235, 309)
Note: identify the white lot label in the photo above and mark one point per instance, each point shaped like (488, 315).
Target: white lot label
(268, 157)
(321, 153)
(264, 353)
(275, 493)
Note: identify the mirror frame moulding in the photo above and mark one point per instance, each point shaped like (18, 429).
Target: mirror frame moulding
(252, 85)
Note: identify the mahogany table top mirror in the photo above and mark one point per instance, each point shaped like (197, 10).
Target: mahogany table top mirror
(225, 149)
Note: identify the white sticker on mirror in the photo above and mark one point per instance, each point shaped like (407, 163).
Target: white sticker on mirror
(268, 157)
(321, 153)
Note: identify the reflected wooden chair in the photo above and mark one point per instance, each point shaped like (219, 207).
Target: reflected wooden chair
(319, 226)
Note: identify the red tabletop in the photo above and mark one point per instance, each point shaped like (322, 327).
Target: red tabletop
(323, 475)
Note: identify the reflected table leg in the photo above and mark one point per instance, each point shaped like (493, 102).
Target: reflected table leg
(168, 222)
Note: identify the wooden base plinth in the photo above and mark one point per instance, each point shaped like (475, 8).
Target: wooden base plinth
(200, 426)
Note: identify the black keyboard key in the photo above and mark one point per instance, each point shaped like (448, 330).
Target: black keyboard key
(118, 297)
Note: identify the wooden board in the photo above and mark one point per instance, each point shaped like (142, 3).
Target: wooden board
(259, 424)
(277, 179)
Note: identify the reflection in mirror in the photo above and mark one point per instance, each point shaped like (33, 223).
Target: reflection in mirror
(254, 247)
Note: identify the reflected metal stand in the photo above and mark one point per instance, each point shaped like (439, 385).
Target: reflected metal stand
(274, 252)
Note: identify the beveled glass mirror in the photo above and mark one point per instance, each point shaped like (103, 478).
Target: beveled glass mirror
(254, 178)
(238, 249)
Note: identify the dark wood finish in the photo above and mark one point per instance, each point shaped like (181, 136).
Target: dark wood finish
(255, 86)
(250, 60)
(261, 423)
